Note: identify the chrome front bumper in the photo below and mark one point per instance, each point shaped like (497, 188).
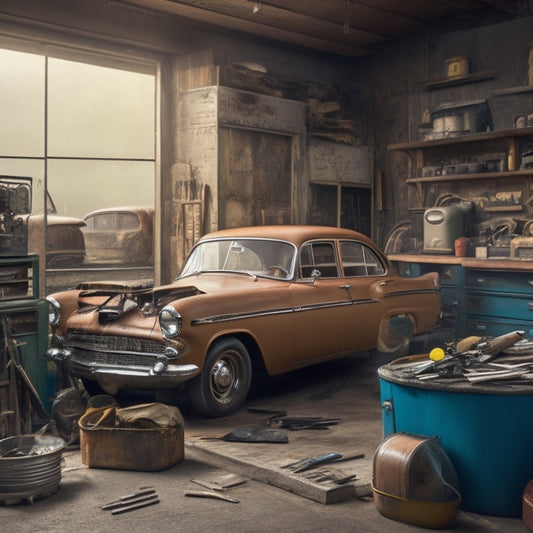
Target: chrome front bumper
(112, 377)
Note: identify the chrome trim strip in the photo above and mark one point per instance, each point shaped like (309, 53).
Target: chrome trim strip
(412, 291)
(282, 311)
(237, 316)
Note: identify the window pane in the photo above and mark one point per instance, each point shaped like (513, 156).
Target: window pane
(21, 104)
(322, 257)
(100, 112)
(31, 168)
(79, 187)
(374, 265)
(353, 261)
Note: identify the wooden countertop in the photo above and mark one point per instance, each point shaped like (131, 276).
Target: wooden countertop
(496, 263)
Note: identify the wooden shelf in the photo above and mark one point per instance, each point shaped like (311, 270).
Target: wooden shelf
(451, 81)
(512, 90)
(478, 175)
(463, 139)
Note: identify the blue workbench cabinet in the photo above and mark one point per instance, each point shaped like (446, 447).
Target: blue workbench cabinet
(479, 297)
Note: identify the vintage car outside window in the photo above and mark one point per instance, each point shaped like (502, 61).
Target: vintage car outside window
(319, 256)
(122, 235)
(359, 260)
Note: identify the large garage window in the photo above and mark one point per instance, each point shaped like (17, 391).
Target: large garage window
(83, 128)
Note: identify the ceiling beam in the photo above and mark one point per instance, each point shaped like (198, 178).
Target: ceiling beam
(270, 22)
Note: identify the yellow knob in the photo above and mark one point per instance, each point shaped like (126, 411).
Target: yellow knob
(436, 354)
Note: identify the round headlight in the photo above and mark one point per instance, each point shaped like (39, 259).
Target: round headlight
(53, 311)
(170, 321)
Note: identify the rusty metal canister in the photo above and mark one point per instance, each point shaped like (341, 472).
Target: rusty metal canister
(461, 247)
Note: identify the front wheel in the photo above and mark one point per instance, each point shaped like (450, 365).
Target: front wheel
(225, 380)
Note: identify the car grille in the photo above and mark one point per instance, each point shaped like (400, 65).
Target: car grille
(112, 349)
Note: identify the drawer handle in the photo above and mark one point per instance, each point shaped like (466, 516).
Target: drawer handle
(530, 306)
(480, 281)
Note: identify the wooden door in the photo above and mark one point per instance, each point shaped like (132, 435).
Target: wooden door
(254, 176)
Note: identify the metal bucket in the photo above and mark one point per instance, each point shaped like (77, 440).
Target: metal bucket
(415, 482)
(30, 467)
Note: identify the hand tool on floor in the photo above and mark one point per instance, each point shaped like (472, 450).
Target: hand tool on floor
(209, 494)
(137, 505)
(302, 422)
(312, 462)
(140, 495)
(222, 483)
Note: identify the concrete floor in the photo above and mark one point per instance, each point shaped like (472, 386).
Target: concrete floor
(272, 498)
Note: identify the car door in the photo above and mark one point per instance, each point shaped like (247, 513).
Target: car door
(323, 317)
(367, 278)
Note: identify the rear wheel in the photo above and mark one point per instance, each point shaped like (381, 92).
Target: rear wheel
(225, 380)
(394, 339)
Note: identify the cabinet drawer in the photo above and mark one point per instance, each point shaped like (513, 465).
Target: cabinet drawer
(521, 282)
(507, 306)
(484, 326)
(449, 296)
(449, 274)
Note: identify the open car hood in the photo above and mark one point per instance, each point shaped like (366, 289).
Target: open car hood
(114, 299)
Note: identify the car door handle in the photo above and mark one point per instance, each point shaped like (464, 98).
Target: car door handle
(383, 283)
(346, 287)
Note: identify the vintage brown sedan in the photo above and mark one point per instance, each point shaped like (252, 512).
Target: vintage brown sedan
(248, 301)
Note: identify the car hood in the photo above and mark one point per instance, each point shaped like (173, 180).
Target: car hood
(53, 220)
(114, 299)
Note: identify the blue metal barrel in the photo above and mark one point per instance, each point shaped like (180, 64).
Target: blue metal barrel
(486, 430)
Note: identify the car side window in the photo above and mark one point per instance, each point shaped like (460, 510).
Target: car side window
(359, 260)
(112, 222)
(319, 256)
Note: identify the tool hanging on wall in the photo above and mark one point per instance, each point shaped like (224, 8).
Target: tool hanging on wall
(23, 403)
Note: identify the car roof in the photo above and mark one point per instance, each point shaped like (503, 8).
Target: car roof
(297, 234)
(137, 209)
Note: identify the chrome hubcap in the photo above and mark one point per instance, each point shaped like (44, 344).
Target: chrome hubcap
(222, 376)
(225, 377)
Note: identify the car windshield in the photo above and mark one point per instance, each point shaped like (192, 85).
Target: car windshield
(260, 257)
